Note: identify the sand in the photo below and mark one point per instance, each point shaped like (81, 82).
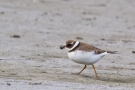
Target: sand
(31, 32)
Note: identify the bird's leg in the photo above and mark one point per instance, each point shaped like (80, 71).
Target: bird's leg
(81, 70)
(95, 71)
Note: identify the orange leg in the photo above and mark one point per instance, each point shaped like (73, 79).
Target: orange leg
(81, 70)
(95, 71)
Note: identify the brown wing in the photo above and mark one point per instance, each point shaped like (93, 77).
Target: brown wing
(89, 48)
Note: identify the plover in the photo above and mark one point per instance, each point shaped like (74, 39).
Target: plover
(83, 53)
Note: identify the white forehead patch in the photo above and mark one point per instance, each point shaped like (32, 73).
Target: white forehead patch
(75, 45)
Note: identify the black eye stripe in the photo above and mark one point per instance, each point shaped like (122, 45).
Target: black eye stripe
(68, 45)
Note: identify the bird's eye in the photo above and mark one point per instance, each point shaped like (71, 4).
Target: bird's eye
(68, 45)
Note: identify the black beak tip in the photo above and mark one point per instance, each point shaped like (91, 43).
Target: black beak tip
(62, 47)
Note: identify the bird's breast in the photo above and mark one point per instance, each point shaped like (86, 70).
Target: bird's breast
(83, 57)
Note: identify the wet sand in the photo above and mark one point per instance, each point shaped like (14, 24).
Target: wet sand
(33, 60)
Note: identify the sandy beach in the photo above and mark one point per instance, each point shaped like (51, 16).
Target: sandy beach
(31, 32)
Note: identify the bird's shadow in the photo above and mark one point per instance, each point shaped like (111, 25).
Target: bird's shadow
(112, 79)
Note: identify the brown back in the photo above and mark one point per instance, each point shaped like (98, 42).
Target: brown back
(88, 48)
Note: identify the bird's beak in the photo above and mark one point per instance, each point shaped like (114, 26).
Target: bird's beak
(62, 46)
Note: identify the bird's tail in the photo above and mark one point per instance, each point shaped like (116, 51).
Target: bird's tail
(112, 52)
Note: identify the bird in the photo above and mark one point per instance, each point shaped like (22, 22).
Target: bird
(83, 53)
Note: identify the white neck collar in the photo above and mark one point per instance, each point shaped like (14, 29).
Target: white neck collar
(75, 45)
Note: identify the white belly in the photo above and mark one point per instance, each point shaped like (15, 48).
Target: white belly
(86, 58)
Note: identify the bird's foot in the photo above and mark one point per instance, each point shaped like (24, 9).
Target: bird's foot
(97, 77)
(75, 73)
